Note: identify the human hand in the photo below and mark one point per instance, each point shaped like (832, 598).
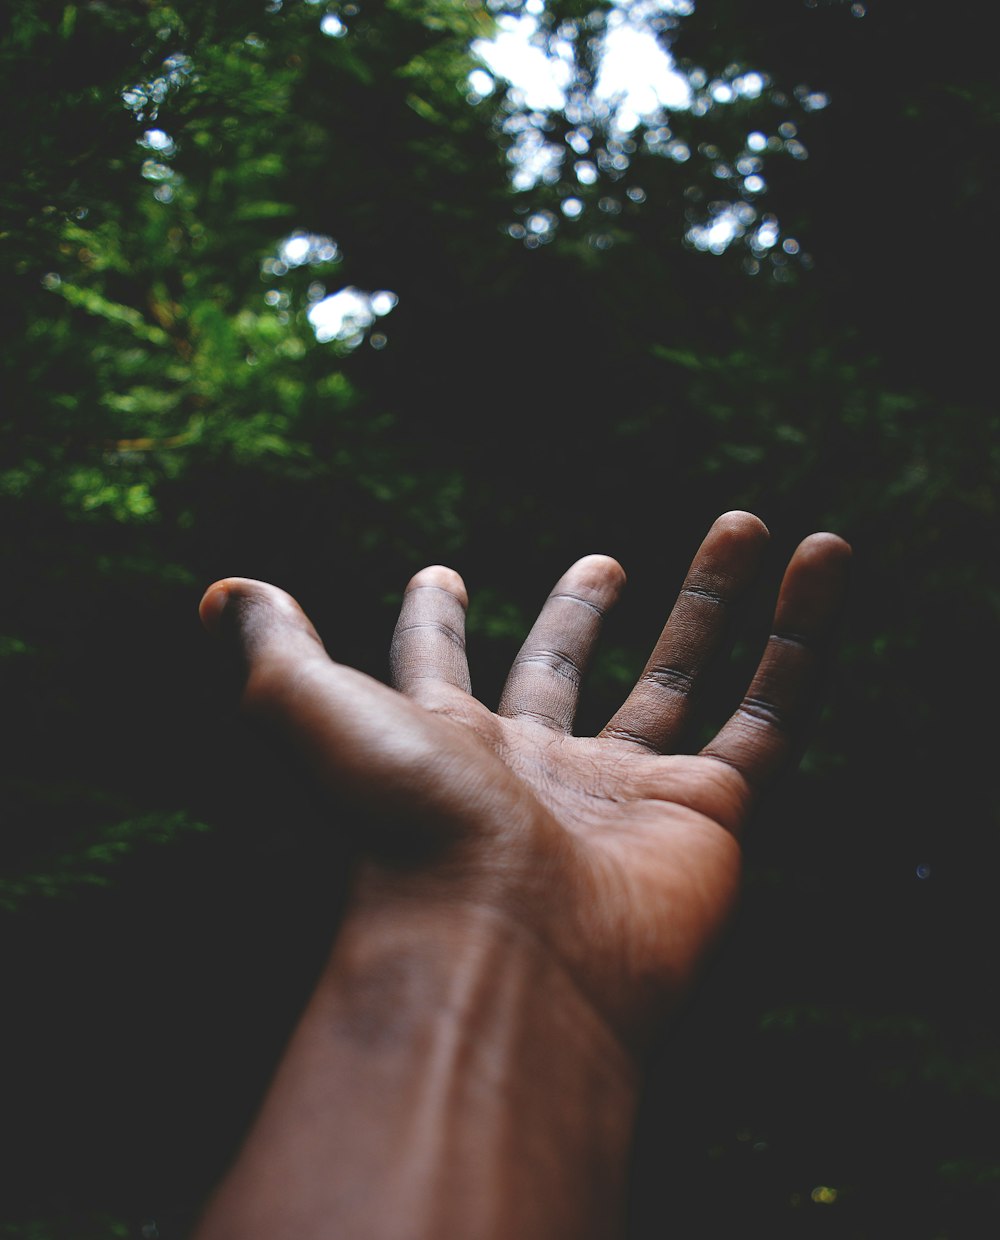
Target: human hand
(616, 856)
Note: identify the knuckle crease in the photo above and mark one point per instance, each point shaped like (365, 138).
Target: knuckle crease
(436, 626)
(616, 733)
(555, 661)
(576, 598)
(702, 592)
(672, 679)
(765, 712)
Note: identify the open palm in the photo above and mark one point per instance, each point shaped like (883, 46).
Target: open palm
(616, 853)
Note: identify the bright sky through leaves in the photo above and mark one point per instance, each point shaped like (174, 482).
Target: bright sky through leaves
(609, 78)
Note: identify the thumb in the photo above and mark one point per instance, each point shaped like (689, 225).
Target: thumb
(356, 737)
(257, 620)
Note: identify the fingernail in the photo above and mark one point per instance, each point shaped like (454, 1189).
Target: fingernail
(212, 605)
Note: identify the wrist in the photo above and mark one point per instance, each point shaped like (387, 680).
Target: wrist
(468, 967)
(448, 1065)
(505, 1104)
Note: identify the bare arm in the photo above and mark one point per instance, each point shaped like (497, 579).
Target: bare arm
(530, 905)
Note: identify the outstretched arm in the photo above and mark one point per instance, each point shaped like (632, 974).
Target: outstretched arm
(529, 906)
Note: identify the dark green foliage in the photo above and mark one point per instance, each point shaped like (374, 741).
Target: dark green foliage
(170, 417)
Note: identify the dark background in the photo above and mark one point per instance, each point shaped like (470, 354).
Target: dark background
(167, 896)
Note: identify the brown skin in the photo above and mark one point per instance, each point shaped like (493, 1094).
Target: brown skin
(529, 908)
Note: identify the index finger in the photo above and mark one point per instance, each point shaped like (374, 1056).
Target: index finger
(428, 645)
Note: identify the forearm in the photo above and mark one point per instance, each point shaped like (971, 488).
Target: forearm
(446, 1080)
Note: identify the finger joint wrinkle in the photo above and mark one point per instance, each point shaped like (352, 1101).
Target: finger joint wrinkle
(576, 598)
(788, 638)
(427, 585)
(453, 635)
(554, 660)
(763, 712)
(545, 721)
(711, 596)
(633, 738)
(673, 679)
